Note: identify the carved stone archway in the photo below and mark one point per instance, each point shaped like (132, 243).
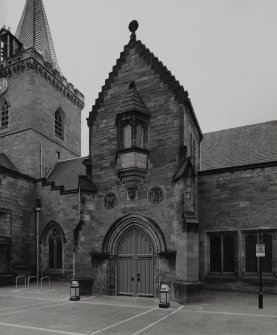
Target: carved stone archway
(122, 225)
(139, 228)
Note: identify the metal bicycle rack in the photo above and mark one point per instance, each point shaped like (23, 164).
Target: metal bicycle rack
(49, 282)
(16, 281)
(29, 281)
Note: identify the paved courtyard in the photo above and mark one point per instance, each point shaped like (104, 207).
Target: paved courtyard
(37, 312)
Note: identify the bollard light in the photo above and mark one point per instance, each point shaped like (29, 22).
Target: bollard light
(74, 291)
(164, 296)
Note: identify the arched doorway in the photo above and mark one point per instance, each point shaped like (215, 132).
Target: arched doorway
(135, 264)
(131, 252)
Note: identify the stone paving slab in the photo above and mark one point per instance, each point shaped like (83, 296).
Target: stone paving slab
(28, 312)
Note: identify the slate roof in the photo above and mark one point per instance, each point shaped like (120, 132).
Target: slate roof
(245, 145)
(165, 76)
(6, 162)
(66, 173)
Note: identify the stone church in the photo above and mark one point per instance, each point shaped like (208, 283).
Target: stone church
(155, 201)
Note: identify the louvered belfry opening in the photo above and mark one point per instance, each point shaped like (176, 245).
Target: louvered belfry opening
(34, 32)
(59, 124)
(4, 114)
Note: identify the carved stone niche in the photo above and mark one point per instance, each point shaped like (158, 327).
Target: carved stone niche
(132, 124)
(186, 178)
(132, 193)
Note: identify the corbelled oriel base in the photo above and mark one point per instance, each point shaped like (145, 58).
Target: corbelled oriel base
(187, 292)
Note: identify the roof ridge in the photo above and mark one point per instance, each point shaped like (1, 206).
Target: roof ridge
(70, 159)
(239, 127)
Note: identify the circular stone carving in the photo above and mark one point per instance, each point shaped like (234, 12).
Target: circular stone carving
(4, 85)
(156, 195)
(110, 200)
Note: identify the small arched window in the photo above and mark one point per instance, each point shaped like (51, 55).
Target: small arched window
(59, 123)
(127, 136)
(140, 136)
(55, 246)
(4, 114)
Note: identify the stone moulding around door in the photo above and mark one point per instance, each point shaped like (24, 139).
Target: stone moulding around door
(132, 220)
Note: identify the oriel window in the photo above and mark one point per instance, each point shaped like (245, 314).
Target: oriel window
(127, 136)
(140, 136)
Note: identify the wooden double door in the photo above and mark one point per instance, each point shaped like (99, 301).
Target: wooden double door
(135, 264)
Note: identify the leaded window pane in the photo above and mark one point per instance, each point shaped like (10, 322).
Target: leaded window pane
(140, 136)
(59, 253)
(127, 136)
(251, 264)
(51, 245)
(5, 251)
(215, 254)
(228, 254)
(267, 260)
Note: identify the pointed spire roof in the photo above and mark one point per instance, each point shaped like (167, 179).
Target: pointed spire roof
(34, 32)
(132, 100)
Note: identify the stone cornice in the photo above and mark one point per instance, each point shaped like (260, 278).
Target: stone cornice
(32, 60)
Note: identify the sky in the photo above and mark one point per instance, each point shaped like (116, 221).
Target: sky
(223, 52)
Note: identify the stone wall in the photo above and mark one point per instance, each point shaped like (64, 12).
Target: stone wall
(65, 211)
(33, 102)
(17, 207)
(239, 202)
(169, 129)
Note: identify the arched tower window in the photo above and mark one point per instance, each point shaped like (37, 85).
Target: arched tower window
(4, 114)
(59, 123)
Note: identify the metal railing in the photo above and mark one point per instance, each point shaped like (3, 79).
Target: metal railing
(49, 282)
(29, 281)
(16, 281)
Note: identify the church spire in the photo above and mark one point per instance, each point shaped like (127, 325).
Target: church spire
(33, 31)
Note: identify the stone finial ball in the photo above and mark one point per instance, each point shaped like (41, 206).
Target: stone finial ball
(133, 26)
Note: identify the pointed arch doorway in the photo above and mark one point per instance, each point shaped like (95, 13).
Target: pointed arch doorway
(135, 264)
(131, 248)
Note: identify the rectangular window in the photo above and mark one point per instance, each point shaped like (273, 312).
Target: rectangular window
(251, 261)
(5, 224)
(222, 253)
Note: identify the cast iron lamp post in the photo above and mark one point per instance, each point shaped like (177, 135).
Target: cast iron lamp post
(260, 274)
(38, 208)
